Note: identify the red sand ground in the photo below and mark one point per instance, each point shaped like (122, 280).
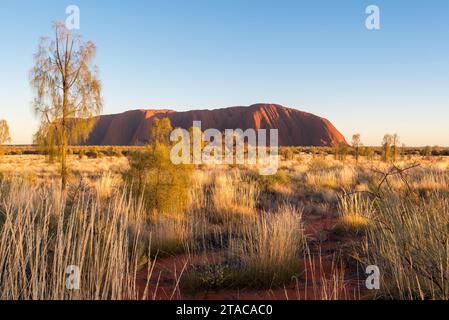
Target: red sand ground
(321, 265)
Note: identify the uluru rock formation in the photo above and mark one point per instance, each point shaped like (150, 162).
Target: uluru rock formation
(296, 128)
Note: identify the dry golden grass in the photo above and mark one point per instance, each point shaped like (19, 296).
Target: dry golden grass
(257, 223)
(266, 253)
(37, 168)
(233, 198)
(330, 178)
(42, 234)
(268, 249)
(409, 241)
(355, 212)
(170, 235)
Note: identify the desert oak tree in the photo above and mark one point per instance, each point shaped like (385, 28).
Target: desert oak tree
(68, 91)
(4, 132)
(356, 144)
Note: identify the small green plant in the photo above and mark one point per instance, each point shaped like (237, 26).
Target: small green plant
(213, 276)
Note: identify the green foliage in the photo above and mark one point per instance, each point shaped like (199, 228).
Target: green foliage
(164, 186)
(386, 147)
(4, 132)
(160, 131)
(67, 92)
(368, 152)
(92, 153)
(356, 144)
(341, 150)
(112, 152)
(390, 147)
(267, 183)
(209, 277)
(47, 142)
(288, 153)
(427, 152)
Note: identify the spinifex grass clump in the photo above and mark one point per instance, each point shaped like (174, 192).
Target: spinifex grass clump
(409, 242)
(42, 234)
(268, 249)
(329, 177)
(264, 254)
(169, 235)
(234, 199)
(355, 211)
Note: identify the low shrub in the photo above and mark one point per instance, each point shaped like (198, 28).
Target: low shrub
(165, 187)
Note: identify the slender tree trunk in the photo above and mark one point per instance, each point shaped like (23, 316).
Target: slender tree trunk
(64, 170)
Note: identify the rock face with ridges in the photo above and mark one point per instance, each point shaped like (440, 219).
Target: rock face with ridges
(296, 128)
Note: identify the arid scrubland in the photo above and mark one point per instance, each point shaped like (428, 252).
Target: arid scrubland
(307, 232)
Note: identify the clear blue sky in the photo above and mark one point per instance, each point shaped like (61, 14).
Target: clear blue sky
(315, 56)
